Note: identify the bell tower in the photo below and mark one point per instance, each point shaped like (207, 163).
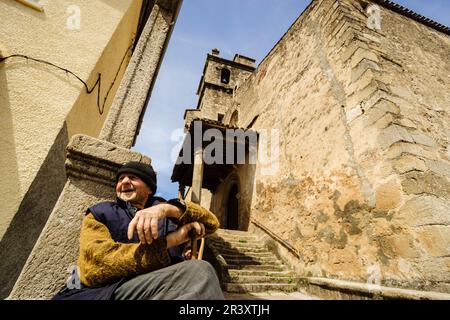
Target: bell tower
(221, 77)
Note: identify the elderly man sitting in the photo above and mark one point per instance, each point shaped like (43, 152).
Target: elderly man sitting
(129, 248)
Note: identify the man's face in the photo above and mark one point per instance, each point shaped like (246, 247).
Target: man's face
(132, 189)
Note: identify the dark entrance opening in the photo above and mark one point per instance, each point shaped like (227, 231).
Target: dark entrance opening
(225, 76)
(232, 209)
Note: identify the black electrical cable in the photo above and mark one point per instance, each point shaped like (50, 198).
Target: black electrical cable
(101, 109)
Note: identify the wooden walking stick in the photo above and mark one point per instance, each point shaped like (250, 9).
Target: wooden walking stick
(202, 246)
(196, 256)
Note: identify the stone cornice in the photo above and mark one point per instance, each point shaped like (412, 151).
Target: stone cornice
(97, 160)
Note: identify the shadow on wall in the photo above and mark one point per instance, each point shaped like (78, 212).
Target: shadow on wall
(35, 207)
(9, 176)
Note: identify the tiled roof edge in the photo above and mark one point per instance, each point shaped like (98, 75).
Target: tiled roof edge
(413, 15)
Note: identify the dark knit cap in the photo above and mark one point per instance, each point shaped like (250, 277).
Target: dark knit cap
(142, 170)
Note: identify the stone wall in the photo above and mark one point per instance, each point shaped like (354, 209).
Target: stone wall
(214, 101)
(414, 63)
(362, 186)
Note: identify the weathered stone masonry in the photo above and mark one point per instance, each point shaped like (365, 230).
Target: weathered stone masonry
(362, 190)
(401, 164)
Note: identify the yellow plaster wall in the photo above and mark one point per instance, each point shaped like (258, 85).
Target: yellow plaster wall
(36, 99)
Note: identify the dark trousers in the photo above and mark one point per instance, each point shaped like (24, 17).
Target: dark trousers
(187, 280)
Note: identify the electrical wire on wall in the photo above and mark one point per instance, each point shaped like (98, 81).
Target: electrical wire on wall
(97, 83)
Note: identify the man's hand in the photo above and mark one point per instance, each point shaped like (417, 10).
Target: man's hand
(181, 235)
(188, 254)
(145, 222)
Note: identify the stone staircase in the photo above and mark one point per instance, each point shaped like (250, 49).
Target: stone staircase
(246, 265)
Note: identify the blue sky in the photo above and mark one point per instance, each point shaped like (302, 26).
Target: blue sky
(248, 27)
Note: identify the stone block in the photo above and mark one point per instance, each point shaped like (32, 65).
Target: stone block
(375, 91)
(94, 148)
(385, 121)
(361, 54)
(345, 35)
(375, 112)
(402, 92)
(402, 245)
(401, 148)
(361, 82)
(388, 195)
(425, 210)
(353, 113)
(435, 239)
(349, 51)
(382, 93)
(408, 163)
(422, 138)
(407, 123)
(436, 269)
(393, 134)
(363, 66)
(439, 167)
(372, 37)
(379, 227)
(338, 26)
(364, 93)
(419, 183)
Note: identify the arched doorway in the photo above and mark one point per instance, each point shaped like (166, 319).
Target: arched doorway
(233, 209)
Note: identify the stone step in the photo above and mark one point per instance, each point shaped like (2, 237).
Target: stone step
(238, 248)
(270, 261)
(235, 242)
(233, 232)
(243, 273)
(266, 267)
(261, 279)
(257, 287)
(248, 255)
(237, 245)
(235, 239)
(226, 236)
(243, 250)
(250, 266)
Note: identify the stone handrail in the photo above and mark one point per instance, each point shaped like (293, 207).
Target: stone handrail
(276, 237)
